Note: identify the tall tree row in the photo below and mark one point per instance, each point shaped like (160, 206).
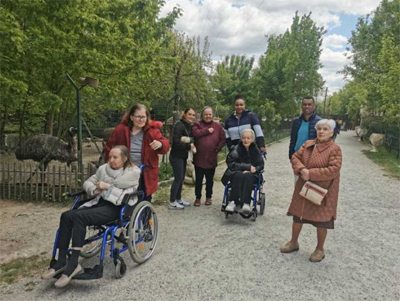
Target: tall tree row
(374, 71)
(123, 43)
(287, 71)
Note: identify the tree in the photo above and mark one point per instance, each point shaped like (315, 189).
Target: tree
(289, 68)
(375, 56)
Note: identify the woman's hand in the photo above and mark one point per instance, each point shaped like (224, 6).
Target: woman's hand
(185, 139)
(305, 174)
(102, 185)
(155, 145)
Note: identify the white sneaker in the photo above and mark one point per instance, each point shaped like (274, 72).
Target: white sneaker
(175, 205)
(183, 203)
(246, 208)
(230, 207)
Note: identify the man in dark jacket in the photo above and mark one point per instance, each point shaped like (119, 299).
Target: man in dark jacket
(303, 127)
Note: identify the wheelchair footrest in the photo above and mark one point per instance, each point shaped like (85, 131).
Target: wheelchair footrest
(91, 273)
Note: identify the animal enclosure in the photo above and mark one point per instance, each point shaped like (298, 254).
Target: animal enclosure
(19, 181)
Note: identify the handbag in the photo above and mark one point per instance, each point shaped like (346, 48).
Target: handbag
(313, 192)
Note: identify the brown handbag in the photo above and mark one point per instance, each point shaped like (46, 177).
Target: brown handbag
(313, 192)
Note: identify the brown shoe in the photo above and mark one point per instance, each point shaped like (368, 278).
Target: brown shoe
(197, 203)
(208, 202)
(317, 255)
(290, 247)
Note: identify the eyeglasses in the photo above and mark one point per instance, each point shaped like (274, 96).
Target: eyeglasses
(139, 117)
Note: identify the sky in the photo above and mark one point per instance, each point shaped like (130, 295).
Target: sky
(240, 26)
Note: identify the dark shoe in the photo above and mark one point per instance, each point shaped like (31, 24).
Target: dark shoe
(197, 202)
(289, 247)
(208, 202)
(317, 255)
(64, 280)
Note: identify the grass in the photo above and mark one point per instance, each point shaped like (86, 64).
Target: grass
(387, 160)
(11, 271)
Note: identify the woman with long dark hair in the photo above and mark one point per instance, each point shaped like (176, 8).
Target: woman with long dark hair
(182, 140)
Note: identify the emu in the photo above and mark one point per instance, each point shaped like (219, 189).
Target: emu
(44, 148)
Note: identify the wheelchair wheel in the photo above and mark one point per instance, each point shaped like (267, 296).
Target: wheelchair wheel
(120, 268)
(93, 245)
(142, 232)
(262, 203)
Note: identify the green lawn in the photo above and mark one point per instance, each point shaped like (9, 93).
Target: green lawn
(387, 160)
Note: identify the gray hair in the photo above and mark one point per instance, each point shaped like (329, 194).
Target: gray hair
(124, 151)
(253, 136)
(329, 122)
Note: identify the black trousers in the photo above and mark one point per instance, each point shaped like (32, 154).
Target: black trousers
(209, 174)
(242, 187)
(179, 169)
(73, 222)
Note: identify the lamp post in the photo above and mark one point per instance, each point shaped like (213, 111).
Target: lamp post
(84, 81)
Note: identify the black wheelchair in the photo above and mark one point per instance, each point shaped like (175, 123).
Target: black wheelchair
(136, 230)
(257, 200)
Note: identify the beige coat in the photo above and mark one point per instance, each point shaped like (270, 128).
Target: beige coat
(324, 163)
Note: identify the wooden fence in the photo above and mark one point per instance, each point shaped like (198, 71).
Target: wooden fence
(19, 181)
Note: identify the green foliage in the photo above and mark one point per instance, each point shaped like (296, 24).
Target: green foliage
(387, 160)
(232, 77)
(289, 68)
(376, 61)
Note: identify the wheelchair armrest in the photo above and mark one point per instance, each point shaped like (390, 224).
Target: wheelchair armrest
(128, 197)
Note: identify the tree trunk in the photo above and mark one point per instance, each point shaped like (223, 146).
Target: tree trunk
(3, 122)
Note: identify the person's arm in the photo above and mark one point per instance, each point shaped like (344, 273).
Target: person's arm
(89, 186)
(256, 125)
(164, 142)
(260, 162)
(197, 131)
(128, 182)
(293, 138)
(234, 163)
(228, 139)
(297, 161)
(332, 170)
(221, 138)
(178, 133)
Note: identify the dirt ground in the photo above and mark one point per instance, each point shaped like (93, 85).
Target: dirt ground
(201, 255)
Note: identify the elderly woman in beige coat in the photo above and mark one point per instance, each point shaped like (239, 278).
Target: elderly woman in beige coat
(318, 161)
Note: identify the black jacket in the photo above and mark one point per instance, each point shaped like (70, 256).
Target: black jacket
(180, 149)
(240, 159)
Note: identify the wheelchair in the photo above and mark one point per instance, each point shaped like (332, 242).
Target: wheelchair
(136, 231)
(257, 200)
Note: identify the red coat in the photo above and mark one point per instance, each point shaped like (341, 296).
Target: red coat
(207, 144)
(122, 136)
(324, 165)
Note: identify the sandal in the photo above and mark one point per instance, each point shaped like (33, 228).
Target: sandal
(197, 203)
(208, 202)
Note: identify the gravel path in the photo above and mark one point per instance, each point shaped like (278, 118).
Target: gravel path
(203, 256)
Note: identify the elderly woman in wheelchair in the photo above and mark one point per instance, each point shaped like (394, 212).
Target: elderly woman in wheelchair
(112, 193)
(244, 173)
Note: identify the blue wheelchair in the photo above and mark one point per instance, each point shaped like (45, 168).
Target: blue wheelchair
(136, 230)
(257, 200)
